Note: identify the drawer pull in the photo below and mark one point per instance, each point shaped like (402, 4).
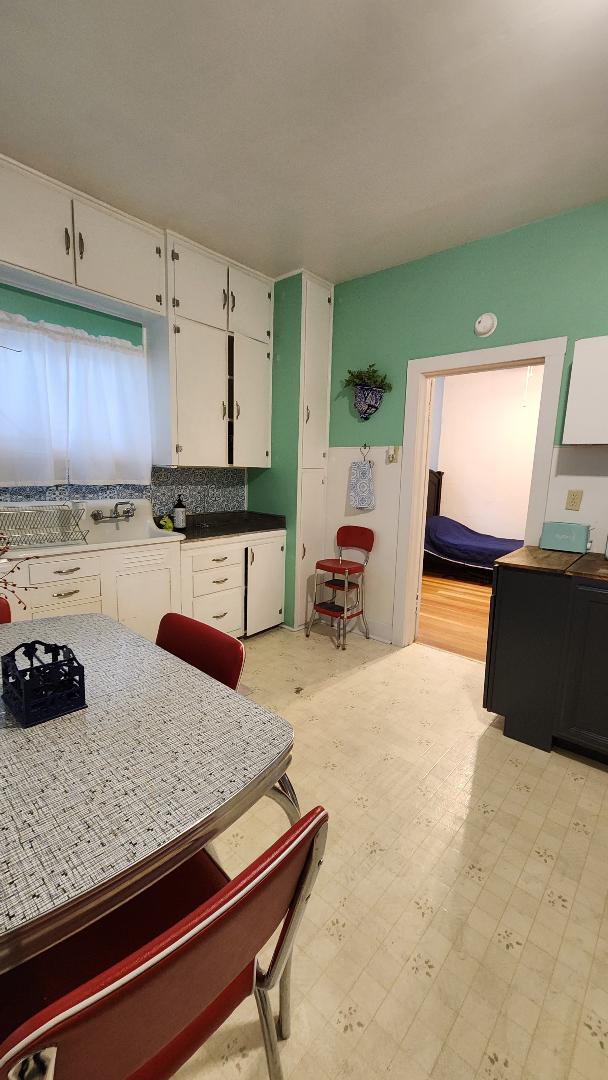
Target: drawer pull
(220, 581)
(68, 592)
(222, 616)
(69, 570)
(220, 558)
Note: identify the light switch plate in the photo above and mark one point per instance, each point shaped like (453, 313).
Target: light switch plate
(574, 499)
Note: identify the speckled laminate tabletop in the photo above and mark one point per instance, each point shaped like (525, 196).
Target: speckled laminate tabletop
(160, 747)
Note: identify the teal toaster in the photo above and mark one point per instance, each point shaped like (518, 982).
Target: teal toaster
(564, 536)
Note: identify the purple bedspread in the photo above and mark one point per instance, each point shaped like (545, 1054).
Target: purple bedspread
(450, 540)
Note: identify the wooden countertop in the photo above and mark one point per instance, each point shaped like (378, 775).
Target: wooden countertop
(593, 565)
(535, 558)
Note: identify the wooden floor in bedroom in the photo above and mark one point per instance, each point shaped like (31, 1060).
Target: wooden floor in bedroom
(454, 616)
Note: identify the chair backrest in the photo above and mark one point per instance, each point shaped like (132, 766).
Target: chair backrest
(206, 648)
(355, 536)
(5, 611)
(143, 1017)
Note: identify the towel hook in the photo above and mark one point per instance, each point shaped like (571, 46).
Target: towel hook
(364, 450)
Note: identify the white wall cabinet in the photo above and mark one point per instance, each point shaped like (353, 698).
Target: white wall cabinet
(316, 362)
(311, 537)
(202, 394)
(250, 304)
(35, 223)
(199, 283)
(252, 402)
(118, 256)
(265, 584)
(586, 414)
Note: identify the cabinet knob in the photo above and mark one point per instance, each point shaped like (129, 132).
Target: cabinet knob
(238, 409)
(252, 559)
(80, 245)
(303, 551)
(159, 298)
(178, 448)
(223, 410)
(68, 240)
(307, 414)
(232, 300)
(224, 298)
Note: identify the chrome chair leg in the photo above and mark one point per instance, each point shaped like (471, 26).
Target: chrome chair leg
(269, 1033)
(345, 609)
(363, 619)
(312, 611)
(284, 1021)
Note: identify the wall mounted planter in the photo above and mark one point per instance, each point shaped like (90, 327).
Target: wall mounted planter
(367, 400)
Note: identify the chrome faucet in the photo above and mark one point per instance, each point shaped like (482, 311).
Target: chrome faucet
(115, 515)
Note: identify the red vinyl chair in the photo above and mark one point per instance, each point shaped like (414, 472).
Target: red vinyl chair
(5, 611)
(347, 577)
(136, 993)
(212, 651)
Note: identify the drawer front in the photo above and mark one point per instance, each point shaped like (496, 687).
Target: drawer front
(64, 592)
(63, 568)
(206, 582)
(224, 611)
(82, 607)
(218, 557)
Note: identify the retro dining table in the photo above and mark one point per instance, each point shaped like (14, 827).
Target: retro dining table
(98, 804)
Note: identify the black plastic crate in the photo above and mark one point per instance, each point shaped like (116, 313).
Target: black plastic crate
(35, 689)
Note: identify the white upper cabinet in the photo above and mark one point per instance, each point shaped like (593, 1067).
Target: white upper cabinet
(35, 223)
(252, 402)
(586, 412)
(316, 362)
(250, 305)
(200, 283)
(202, 394)
(119, 256)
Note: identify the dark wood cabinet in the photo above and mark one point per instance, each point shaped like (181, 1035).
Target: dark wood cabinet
(584, 718)
(546, 671)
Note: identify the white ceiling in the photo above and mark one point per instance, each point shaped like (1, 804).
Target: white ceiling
(340, 135)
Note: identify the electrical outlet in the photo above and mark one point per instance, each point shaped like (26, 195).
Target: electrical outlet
(574, 499)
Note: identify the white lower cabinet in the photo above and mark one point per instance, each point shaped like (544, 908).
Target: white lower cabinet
(265, 584)
(142, 599)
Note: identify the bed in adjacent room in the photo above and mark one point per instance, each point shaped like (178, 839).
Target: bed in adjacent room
(450, 545)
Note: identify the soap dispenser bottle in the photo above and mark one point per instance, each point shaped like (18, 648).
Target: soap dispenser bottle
(179, 514)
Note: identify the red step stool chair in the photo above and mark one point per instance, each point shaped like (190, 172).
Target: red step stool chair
(346, 577)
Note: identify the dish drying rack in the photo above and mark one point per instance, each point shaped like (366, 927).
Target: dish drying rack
(41, 525)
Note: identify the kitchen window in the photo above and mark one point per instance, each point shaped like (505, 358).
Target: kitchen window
(73, 407)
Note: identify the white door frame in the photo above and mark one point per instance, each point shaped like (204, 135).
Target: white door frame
(414, 479)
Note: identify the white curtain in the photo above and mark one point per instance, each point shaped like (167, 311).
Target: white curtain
(72, 407)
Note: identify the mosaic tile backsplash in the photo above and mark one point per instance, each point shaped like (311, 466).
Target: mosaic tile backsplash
(202, 490)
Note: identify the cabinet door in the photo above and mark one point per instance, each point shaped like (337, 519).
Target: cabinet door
(311, 539)
(202, 394)
(200, 285)
(585, 716)
(143, 597)
(252, 402)
(118, 256)
(35, 223)
(250, 308)
(265, 585)
(586, 420)
(317, 352)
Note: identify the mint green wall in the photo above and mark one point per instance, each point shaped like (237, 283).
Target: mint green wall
(545, 280)
(275, 490)
(44, 309)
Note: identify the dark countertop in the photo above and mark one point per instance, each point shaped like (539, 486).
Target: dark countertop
(535, 558)
(229, 523)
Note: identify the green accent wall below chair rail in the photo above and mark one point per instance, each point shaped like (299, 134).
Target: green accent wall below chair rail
(275, 490)
(545, 280)
(38, 308)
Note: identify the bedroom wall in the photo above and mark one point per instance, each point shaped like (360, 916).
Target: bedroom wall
(486, 447)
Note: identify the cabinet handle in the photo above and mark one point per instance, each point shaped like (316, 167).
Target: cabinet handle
(69, 570)
(178, 448)
(303, 551)
(307, 413)
(220, 580)
(67, 592)
(223, 410)
(222, 616)
(81, 245)
(232, 300)
(159, 298)
(68, 240)
(224, 298)
(252, 559)
(238, 410)
(220, 558)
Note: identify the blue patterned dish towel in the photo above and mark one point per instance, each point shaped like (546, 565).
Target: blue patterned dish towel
(362, 485)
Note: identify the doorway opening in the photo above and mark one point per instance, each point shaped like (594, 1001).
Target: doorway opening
(481, 439)
(414, 484)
